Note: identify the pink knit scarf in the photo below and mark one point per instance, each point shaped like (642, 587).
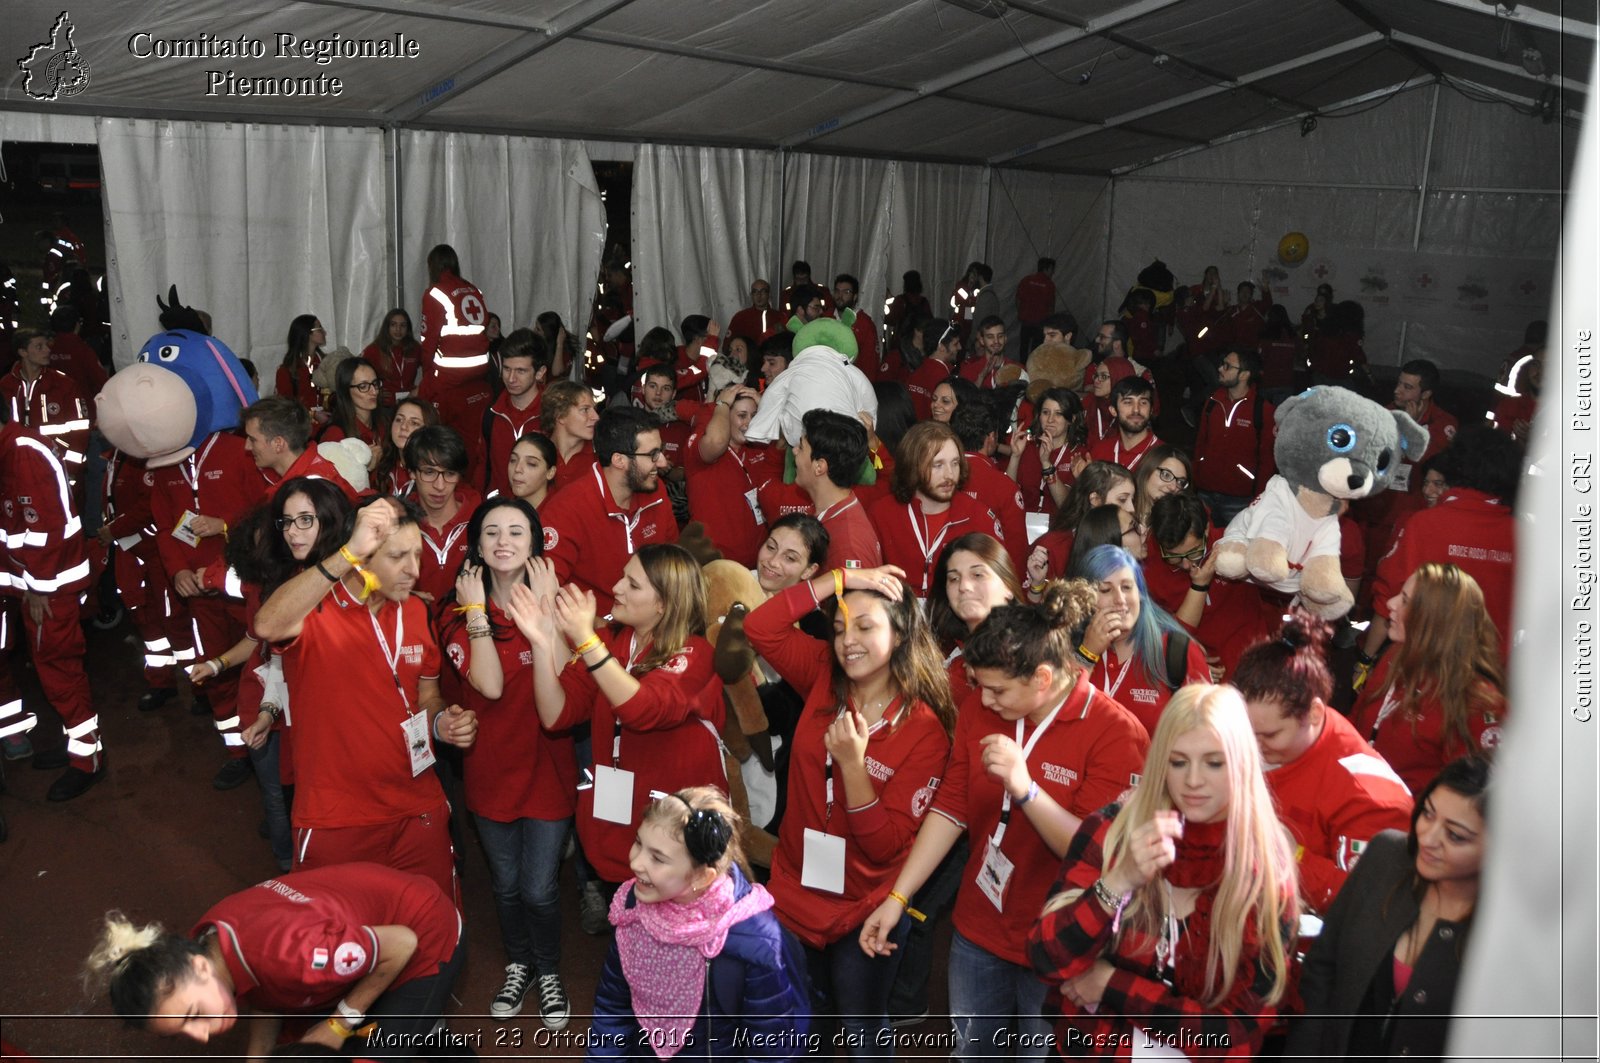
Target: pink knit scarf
(664, 947)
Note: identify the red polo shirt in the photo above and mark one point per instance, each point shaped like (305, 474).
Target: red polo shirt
(589, 538)
(352, 768)
(852, 540)
(723, 497)
(913, 539)
(1141, 693)
(1111, 449)
(779, 499)
(311, 464)
(1000, 495)
(1092, 751)
(298, 942)
(443, 549)
(516, 769)
(666, 734)
(503, 425)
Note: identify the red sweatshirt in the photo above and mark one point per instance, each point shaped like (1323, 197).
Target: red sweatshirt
(1232, 453)
(1333, 799)
(722, 496)
(1111, 449)
(504, 424)
(443, 549)
(397, 371)
(905, 758)
(1469, 529)
(218, 480)
(1418, 748)
(920, 384)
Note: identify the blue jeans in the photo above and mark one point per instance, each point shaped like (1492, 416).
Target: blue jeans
(279, 833)
(847, 978)
(995, 1006)
(524, 857)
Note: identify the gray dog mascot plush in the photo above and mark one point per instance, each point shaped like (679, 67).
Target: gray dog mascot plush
(1333, 446)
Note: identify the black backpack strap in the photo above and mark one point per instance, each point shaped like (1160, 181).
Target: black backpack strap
(1177, 658)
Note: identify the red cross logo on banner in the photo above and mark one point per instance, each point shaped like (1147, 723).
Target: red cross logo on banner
(1321, 271)
(1425, 281)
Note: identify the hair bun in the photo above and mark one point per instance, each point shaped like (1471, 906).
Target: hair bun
(706, 836)
(1303, 630)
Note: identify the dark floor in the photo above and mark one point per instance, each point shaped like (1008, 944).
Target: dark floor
(155, 840)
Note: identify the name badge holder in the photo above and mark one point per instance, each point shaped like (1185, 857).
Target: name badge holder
(994, 877)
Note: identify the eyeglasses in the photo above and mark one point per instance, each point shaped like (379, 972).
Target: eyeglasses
(432, 474)
(1101, 376)
(1235, 366)
(1197, 554)
(1169, 478)
(651, 454)
(366, 386)
(305, 522)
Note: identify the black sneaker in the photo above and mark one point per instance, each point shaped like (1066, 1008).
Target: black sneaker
(594, 914)
(554, 1008)
(74, 782)
(232, 774)
(508, 1002)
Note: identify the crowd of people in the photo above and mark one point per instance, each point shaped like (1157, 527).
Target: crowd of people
(1125, 780)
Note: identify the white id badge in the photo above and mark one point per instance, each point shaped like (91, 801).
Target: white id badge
(184, 532)
(417, 743)
(128, 542)
(755, 505)
(613, 795)
(822, 866)
(1401, 480)
(994, 877)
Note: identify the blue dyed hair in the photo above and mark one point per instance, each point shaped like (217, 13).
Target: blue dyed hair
(1154, 624)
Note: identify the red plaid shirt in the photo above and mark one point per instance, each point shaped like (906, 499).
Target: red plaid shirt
(1142, 1004)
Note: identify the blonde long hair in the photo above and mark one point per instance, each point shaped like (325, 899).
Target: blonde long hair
(681, 587)
(1259, 881)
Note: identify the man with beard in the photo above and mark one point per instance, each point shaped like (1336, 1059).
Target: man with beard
(845, 290)
(927, 507)
(593, 526)
(991, 354)
(1131, 398)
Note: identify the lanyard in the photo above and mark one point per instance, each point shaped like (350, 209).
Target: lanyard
(441, 553)
(392, 657)
(827, 760)
(1027, 751)
(918, 521)
(1110, 687)
(192, 467)
(616, 725)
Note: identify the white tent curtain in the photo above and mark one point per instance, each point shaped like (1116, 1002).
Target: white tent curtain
(253, 223)
(1044, 215)
(837, 216)
(523, 214)
(938, 225)
(705, 223)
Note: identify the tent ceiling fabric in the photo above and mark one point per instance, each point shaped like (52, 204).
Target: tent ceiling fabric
(922, 79)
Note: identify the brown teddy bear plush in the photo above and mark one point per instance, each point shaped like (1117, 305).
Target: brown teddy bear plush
(744, 732)
(1055, 365)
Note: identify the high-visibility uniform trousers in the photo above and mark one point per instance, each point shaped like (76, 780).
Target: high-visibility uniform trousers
(163, 626)
(461, 404)
(13, 720)
(217, 623)
(56, 645)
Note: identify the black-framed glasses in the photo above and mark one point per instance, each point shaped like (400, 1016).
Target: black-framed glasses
(366, 386)
(1170, 478)
(304, 521)
(432, 474)
(1193, 556)
(651, 454)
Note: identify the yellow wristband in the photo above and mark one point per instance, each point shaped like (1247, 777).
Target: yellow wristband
(222, 659)
(588, 644)
(467, 607)
(838, 595)
(912, 912)
(345, 552)
(339, 1027)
